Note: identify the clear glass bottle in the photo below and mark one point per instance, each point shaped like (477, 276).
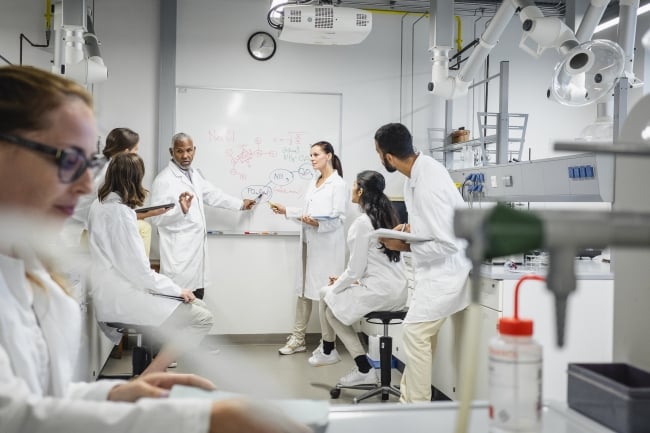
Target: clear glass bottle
(515, 375)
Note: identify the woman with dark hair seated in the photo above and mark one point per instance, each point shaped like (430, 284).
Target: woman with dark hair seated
(374, 279)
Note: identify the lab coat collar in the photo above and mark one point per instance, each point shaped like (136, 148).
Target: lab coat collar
(12, 270)
(416, 171)
(179, 171)
(331, 178)
(112, 197)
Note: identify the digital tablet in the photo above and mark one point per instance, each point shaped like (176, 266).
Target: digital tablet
(147, 209)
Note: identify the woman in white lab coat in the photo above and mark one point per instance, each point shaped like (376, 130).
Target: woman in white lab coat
(374, 279)
(123, 285)
(47, 137)
(119, 140)
(322, 237)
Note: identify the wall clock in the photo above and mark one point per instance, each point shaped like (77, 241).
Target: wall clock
(261, 46)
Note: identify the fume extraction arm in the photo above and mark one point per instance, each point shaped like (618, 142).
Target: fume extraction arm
(76, 47)
(588, 69)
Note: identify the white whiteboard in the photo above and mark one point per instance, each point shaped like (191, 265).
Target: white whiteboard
(253, 141)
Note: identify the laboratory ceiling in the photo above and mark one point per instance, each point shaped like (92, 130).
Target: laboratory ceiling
(461, 7)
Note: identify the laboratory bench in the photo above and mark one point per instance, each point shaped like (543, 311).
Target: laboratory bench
(441, 417)
(589, 326)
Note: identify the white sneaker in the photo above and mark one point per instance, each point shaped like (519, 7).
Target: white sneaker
(173, 364)
(293, 345)
(355, 377)
(318, 358)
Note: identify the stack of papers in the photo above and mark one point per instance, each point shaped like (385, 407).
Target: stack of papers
(404, 236)
(313, 413)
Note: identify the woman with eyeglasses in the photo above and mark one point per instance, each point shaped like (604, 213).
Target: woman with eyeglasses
(124, 287)
(47, 139)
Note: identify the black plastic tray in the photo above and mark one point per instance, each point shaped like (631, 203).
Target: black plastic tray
(616, 395)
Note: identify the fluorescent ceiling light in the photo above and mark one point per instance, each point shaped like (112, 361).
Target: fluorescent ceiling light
(611, 23)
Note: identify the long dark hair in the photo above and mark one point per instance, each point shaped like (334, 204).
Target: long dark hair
(327, 147)
(124, 177)
(119, 140)
(377, 206)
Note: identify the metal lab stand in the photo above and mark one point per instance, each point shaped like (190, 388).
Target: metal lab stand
(499, 131)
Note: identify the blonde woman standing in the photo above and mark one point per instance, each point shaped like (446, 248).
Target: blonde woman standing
(322, 241)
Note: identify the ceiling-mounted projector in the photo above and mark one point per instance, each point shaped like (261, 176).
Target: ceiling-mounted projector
(324, 25)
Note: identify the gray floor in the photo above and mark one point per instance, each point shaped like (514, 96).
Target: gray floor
(259, 370)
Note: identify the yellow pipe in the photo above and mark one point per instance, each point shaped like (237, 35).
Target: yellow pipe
(48, 14)
(459, 38)
(381, 11)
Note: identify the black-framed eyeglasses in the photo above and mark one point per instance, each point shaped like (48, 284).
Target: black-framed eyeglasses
(71, 162)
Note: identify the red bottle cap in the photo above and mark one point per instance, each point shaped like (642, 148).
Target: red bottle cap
(515, 325)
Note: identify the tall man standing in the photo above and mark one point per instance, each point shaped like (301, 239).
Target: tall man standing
(440, 265)
(182, 230)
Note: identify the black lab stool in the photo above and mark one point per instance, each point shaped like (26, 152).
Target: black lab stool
(385, 358)
(143, 352)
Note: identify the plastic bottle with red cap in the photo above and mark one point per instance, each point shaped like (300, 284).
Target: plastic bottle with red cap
(515, 374)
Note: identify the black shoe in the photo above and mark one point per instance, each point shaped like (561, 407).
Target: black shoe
(199, 293)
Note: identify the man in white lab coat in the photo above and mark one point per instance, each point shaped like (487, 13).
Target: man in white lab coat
(182, 230)
(440, 265)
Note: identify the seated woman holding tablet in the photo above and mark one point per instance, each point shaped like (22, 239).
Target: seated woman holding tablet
(123, 285)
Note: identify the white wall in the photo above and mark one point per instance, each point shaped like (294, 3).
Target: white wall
(128, 34)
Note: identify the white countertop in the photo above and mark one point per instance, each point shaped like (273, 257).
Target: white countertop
(440, 417)
(585, 270)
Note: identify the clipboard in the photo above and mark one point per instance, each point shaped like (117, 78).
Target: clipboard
(147, 209)
(323, 217)
(162, 295)
(409, 238)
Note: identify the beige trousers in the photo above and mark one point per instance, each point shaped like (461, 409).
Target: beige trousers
(303, 312)
(419, 344)
(331, 327)
(187, 325)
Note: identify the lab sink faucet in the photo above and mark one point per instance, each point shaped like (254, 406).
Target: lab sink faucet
(502, 231)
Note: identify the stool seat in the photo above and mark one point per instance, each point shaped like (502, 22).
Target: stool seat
(385, 353)
(385, 316)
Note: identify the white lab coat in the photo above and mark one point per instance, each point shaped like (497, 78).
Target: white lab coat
(121, 278)
(371, 282)
(78, 222)
(325, 244)
(183, 238)
(39, 351)
(440, 266)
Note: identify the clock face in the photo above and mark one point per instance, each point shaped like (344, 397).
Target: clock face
(261, 46)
